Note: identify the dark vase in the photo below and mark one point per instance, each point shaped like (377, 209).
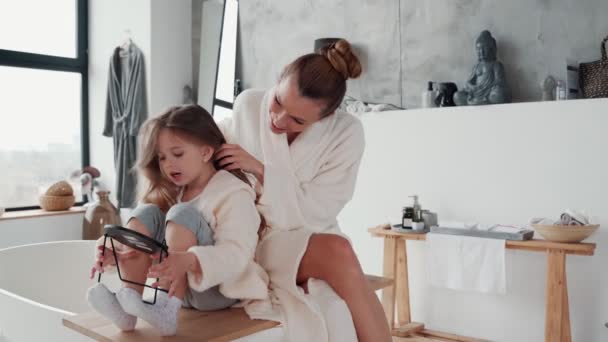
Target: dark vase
(321, 42)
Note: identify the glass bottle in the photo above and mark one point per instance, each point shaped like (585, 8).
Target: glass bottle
(99, 214)
(561, 91)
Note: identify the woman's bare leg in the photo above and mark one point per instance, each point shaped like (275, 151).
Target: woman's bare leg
(331, 258)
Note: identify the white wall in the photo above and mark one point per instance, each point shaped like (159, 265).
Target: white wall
(162, 30)
(108, 21)
(492, 164)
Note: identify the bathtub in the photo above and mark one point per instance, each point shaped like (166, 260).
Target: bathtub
(39, 285)
(42, 283)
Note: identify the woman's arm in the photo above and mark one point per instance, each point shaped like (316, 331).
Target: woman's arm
(234, 157)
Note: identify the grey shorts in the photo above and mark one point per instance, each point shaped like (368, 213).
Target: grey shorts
(187, 216)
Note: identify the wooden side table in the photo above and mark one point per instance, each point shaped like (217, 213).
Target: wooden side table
(557, 315)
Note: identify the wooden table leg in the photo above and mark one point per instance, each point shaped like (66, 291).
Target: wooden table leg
(402, 288)
(566, 335)
(388, 294)
(557, 315)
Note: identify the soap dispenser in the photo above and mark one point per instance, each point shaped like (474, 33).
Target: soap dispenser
(416, 206)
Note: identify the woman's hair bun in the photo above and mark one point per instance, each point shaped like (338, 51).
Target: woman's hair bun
(342, 58)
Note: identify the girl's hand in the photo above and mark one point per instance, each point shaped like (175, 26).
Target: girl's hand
(172, 270)
(107, 259)
(231, 157)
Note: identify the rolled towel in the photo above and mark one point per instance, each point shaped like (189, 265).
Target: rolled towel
(568, 218)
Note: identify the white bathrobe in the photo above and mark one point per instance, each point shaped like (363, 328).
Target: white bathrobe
(227, 204)
(306, 185)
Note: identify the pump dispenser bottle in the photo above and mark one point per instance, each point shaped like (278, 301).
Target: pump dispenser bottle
(428, 96)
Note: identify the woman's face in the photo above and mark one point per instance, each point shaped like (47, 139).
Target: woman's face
(291, 112)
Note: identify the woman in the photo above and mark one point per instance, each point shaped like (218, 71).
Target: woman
(305, 156)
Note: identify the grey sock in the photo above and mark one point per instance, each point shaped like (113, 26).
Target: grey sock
(162, 315)
(104, 301)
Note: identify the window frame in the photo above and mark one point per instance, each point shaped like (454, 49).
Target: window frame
(216, 101)
(80, 65)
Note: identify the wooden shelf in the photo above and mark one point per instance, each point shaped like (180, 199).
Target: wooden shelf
(534, 245)
(221, 325)
(22, 214)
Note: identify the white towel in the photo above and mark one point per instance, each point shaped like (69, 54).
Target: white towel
(466, 263)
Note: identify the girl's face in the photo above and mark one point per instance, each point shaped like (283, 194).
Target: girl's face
(181, 161)
(289, 111)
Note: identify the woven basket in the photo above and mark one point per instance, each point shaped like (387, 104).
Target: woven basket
(55, 203)
(61, 188)
(560, 233)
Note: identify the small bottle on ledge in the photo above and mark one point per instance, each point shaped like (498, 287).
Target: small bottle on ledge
(428, 96)
(407, 218)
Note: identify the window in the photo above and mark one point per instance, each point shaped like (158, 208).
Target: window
(43, 97)
(224, 87)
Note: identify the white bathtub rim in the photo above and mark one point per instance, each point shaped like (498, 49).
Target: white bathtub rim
(36, 304)
(32, 302)
(47, 243)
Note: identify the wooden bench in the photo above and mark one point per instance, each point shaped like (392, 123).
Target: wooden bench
(557, 313)
(223, 325)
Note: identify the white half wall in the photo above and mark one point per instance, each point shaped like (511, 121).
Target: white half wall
(491, 164)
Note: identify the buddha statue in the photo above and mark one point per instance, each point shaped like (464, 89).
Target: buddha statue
(487, 83)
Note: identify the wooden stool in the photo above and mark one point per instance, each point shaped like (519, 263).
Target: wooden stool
(194, 325)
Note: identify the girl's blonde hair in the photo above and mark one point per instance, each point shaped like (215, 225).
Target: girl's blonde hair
(192, 123)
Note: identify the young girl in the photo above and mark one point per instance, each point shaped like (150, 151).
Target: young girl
(208, 218)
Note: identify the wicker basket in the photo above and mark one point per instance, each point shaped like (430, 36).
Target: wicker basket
(61, 188)
(560, 233)
(55, 203)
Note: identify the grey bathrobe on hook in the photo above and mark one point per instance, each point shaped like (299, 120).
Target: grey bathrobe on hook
(126, 110)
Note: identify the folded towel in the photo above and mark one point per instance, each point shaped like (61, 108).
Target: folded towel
(458, 224)
(466, 263)
(503, 228)
(568, 218)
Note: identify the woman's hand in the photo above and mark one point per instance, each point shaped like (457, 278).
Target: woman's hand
(231, 157)
(173, 269)
(105, 257)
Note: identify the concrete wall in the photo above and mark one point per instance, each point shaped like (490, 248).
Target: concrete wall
(404, 44)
